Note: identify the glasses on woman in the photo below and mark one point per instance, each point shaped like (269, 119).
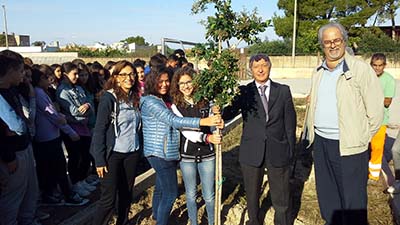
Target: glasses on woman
(126, 75)
(187, 83)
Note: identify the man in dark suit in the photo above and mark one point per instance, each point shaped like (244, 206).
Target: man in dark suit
(268, 139)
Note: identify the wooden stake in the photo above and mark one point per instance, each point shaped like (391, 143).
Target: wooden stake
(218, 182)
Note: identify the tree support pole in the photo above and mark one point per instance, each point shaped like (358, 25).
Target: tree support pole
(218, 182)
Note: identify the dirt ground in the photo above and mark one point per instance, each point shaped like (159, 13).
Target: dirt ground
(306, 210)
(234, 201)
(305, 203)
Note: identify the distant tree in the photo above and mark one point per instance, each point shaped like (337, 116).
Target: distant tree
(84, 51)
(377, 42)
(168, 50)
(108, 52)
(39, 43)
(311, 14)
(276, 47)
(138, 40)
(2, 40)
(387, 11)
(373, 40)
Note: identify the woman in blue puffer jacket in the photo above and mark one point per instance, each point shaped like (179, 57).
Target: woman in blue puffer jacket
(161, 139)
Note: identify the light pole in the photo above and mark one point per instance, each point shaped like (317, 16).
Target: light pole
(294, 32)
(5, 24)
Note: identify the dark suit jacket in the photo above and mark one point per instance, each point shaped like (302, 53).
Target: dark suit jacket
(277, 137)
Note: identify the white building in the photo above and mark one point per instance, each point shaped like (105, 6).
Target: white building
(119, 45)
(99, 45)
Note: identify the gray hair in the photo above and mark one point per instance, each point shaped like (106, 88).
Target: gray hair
(329, 25)
(258, 57)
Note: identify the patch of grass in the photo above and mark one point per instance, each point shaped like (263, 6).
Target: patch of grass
(232, 138)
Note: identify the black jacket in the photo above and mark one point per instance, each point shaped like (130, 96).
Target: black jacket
(103, 139)
(11, 142)
(277, 137)
(199, 150)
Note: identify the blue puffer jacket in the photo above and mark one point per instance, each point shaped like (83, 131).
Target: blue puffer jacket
(160, 124)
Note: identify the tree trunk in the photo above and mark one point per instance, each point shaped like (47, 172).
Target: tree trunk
(392, 14)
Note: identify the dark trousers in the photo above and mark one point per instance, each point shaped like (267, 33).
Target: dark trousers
(341, 183)
(78, 157)
(51, 166)
(119, 181)
(278, 179)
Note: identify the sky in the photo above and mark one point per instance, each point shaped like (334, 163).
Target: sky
(89, 21)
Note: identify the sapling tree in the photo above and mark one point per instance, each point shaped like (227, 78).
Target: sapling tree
(219, 83)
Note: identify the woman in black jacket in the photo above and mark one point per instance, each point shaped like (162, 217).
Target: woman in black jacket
(197, 153)
(115, 145)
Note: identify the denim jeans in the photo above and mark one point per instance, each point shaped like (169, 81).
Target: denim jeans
(206, 170)
(166, 189)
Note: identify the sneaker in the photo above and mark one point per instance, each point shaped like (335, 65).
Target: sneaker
(41, 215)
(75, 200)
(394, 189)
(78, 188)
(48, 200)
(57, 194)
(87, 186)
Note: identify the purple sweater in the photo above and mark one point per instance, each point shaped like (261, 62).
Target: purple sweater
(47, 119)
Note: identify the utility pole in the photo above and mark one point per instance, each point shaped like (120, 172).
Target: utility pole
(5, 24)
(294, 33)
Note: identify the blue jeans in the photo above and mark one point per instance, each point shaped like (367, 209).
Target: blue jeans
(166, 189)
(206, 170)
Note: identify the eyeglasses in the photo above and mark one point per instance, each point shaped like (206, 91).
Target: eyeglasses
(328, 43)
(126, 75)
(187, 83)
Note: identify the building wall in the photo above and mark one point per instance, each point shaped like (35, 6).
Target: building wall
(18, 40)
(11, 40)
(22, 40)
(24, 49)
(282, 66)
(50, 57)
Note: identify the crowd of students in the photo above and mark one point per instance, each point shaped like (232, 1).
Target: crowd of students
(109, 117)
(106, 118)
